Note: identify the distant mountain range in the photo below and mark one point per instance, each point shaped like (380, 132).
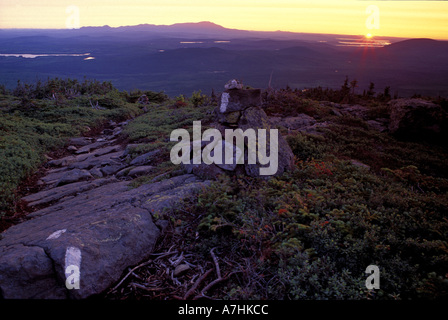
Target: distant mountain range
(182, 58)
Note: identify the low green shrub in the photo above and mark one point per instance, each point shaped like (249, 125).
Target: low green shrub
(152, 131)
(314, 231)
(307, 146)
(158, 123)
(32, 127)
(291, 103)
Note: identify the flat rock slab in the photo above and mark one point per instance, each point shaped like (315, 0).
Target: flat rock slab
(74, 175)
(166, 195)
(138, 171)
(53, 176)
(93, 146)
(106, 150)
(94, 161)
(144, 158)
(108, 242)
(58, 193)
(101, 231)
(80, 142)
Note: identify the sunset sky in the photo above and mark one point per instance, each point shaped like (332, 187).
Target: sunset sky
(412, 19)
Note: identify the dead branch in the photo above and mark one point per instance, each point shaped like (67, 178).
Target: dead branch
(129, 273)
(141, 265)
(165, 255)
(196, 284)
(177, 260)
(211, 284)
(137, 285)
(214, 282)
(215, 260)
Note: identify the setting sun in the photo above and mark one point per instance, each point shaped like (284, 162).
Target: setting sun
(369, 36)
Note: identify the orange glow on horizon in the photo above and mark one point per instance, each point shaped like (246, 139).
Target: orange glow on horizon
(407, 19)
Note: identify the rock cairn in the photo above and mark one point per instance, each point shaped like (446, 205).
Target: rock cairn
(240, 108)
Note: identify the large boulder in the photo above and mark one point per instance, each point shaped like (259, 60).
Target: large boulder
(108, 238)
(101, 231)
(255, 118)
(416, 118)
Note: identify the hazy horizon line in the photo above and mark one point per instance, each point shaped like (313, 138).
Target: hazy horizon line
(210, 22)
(223, 27)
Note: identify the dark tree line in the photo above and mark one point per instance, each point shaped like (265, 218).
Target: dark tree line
(52, 88)
(346, 94)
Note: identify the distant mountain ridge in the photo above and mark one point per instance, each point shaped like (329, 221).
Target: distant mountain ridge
(204, 25)
(185, 57)
(195, 25)
(423, 44)
(204, 29)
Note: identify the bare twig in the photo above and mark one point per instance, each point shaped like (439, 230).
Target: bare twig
(177, 282)
(211, 284)
(214, 282)
(142, 265)
(165, 255)
(196, 284)
(136, 275)
(207, 287)
(178, 260)
(129, 273)
(137, 285)
(215, 260)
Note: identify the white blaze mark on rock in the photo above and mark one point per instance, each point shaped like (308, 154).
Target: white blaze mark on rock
(72, 257)
(224, 102)
(56, 234)
(72, 268)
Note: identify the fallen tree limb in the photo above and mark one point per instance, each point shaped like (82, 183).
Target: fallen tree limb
(211, 284)
(196, 284)
(139, 266)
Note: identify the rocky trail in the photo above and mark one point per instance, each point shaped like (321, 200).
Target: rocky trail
(87, 216)
(88, 224)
